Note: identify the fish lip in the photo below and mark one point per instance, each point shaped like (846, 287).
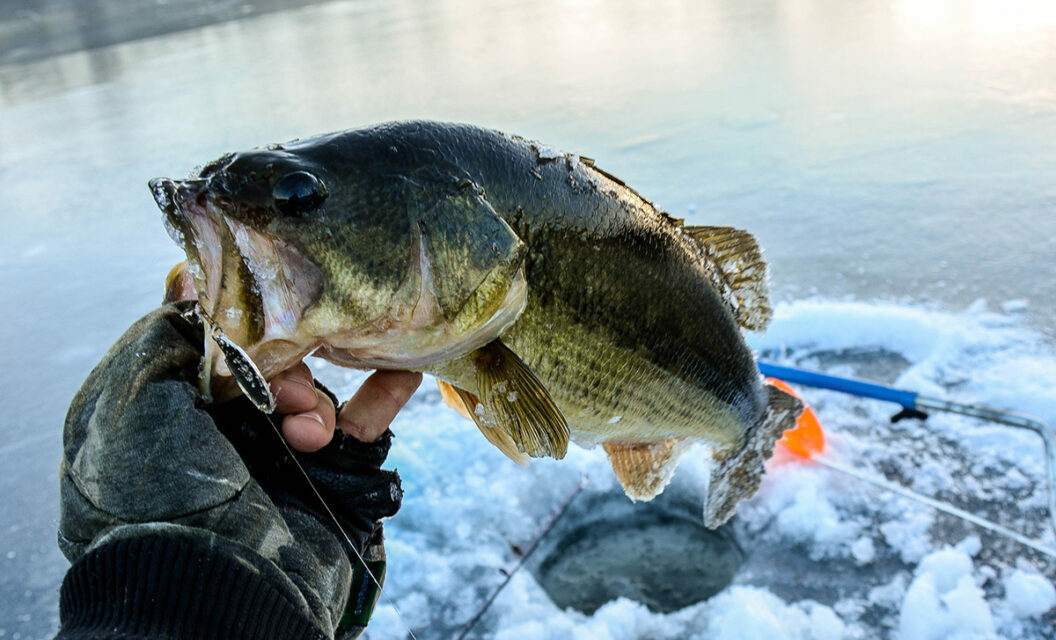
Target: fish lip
(179, 200)
(192, 223)
(172, 195)
(164, 192)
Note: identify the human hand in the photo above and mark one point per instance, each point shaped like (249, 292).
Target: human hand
(151, 475)
(310, 417)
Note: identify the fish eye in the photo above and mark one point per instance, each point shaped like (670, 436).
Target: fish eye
(297, 193)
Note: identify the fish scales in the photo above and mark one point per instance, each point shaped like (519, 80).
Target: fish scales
(555, 301)
(594, 255)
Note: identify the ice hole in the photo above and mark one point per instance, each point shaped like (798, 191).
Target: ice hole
(657, 553)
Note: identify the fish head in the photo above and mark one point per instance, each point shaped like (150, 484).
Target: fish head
(317, 245)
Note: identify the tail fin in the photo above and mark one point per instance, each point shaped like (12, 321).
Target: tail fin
(737, 473)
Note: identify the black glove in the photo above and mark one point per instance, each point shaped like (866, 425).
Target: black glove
(186, 520)
(345, 473)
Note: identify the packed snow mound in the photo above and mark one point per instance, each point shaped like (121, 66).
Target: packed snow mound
(1028, 594)
(827, 556)
(943, 601)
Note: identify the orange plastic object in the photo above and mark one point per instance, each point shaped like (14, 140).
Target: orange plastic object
(807, 439)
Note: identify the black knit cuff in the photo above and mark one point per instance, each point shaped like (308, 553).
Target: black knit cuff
(173, 587)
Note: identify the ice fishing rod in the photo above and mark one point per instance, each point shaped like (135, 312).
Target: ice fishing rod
(914, 405)
(544, 530)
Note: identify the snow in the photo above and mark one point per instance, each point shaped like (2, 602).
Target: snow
(756, 614)
(827, 555)
(943, 600)
(1029, 594)
(863, 550)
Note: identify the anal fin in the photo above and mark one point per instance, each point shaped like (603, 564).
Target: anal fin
(519, 403)
(465, 403)
(737, 473)
(645, 468)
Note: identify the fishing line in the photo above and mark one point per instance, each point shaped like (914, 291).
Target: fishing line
(940, 506)
(252, 383)
(333, 517)
(544, 531)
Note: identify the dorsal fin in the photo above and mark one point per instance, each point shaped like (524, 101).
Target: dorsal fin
(740, 271)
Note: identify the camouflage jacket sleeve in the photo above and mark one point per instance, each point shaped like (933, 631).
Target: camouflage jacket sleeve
(183, 520)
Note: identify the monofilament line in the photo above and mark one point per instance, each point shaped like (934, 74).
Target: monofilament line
(337, 523)
(544, 531)
(940, 506)
(252, 383)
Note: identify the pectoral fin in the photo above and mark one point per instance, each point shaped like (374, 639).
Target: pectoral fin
(519, 403)
(450, 395)
(737, 472)
(644, 469)
(466, 404)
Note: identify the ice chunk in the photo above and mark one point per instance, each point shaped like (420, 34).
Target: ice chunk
(946, 566)
(943, 600)
(547, 153)
(1029, 594)
(751, 613)
(825, 624)
(1014, 306)
(909, 534)
(863, 550)
(808, 515)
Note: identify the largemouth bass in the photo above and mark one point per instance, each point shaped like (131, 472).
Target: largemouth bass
(550, 300)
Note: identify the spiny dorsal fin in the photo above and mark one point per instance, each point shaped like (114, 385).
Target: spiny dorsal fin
(645, 468)
(740, 271)
(465, 403)
(737, 472)
(519, 403)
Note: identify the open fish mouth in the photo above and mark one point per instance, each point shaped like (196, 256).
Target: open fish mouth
(251, 284)
(194, 228)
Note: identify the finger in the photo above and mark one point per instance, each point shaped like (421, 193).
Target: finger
(294, 390)
(311, 430)
(368, 414)
(179, 284)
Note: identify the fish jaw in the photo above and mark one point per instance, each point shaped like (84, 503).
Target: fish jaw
(273, 282)
(194, 230)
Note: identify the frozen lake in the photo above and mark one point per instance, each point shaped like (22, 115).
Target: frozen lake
(884, 151)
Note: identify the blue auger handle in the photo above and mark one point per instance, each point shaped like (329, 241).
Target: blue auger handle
(907, 399)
